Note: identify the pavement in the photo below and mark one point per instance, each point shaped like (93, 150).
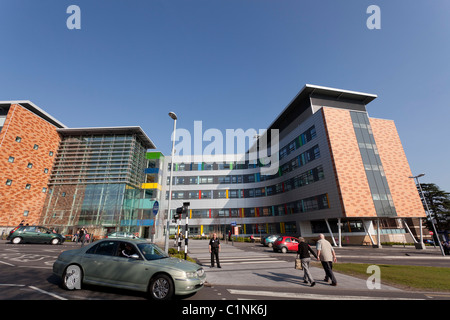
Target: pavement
(261, 269)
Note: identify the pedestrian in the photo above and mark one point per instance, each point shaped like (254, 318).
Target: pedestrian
(326, 255)
(303, 251)
(81, 235)
(214, 249)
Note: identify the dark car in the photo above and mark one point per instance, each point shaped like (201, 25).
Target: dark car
(34, 234)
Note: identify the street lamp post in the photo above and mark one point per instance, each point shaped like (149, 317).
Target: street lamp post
(169, 216)
(428, 210)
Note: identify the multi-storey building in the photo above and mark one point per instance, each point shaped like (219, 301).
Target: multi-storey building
(340, 172)
(96, 180)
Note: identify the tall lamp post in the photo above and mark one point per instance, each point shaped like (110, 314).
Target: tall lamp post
(169, 216)
(428, 210)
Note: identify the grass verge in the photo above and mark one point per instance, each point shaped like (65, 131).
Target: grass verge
(407, 277)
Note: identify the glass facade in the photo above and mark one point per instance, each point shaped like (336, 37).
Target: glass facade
(96, 182)
(376, 177)
(99, 159)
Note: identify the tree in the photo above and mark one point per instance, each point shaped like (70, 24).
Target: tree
(439, 204)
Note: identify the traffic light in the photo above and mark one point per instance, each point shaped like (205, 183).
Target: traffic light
(179, 212)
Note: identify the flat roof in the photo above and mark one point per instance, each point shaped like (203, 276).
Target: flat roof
(36, 110)
(148, 144)
(309, 89)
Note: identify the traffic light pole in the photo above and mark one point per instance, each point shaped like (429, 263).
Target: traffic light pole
(186, 231)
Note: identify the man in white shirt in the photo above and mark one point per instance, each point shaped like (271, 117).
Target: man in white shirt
(326, 255)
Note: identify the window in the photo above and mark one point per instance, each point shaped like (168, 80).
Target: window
(35, 147)
(25, 213)
(63, 194)
(11, 159)
(50, 153)
(45, 170)
(30, 165)
(44, 190)
(18, 139)
(28, 186)
(8, 182)
(104, 248)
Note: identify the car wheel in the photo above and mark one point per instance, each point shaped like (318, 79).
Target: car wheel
(284, 249)
(161, 287)
(55, 241)
(72, 277)
(16, 240)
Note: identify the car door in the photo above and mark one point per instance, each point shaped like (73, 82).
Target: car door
(30, 234)
(132, 272)
(294, 244)
(98, 263)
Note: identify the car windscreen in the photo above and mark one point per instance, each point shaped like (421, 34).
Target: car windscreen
(151, 251)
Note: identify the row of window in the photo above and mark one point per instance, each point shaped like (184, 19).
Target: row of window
(298, 181)
(301, 160)
(298, 142)
(35, 147)
(27, 186)
(301, 206)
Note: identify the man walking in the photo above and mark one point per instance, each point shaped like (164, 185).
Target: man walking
(303, 251)
(214, 249)
(326, 255)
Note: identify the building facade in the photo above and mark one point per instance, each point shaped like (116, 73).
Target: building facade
(96, 180)
(28, 144)
(340, 172)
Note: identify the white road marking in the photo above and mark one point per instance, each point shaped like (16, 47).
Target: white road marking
(8, 264)
(309, 296)
(49, 293)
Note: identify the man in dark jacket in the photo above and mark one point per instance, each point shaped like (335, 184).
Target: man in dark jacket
(214, 249)
(303, 251)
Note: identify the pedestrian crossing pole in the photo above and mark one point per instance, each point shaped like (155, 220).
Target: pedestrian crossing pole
(186, 231)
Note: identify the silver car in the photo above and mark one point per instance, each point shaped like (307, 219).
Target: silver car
(129, 264)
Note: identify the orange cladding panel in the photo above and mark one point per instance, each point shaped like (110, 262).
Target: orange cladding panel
(351, 177)
(403, 189)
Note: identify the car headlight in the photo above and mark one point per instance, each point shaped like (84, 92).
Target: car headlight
(200, 272)
(195, 274)
(191, 274)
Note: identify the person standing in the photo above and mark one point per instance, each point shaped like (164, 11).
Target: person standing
(326, 255)
(303, 251)
(214, 249)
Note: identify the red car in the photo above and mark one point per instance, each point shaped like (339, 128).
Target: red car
(285, 244)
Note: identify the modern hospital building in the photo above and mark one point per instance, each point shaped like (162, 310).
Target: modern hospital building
(339, 172)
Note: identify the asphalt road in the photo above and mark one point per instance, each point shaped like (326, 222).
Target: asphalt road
(26, 274)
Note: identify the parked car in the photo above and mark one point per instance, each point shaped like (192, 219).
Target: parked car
(285, 244)
(269, 240)
(122, 234)
(34, 234)
(129, 264)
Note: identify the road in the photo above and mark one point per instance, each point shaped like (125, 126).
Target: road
(249, 271)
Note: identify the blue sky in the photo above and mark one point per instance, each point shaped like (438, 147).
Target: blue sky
(232, 64)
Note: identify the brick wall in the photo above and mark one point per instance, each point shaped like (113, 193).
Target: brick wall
(16, 199)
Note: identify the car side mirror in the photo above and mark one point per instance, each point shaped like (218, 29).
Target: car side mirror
(135, 256)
